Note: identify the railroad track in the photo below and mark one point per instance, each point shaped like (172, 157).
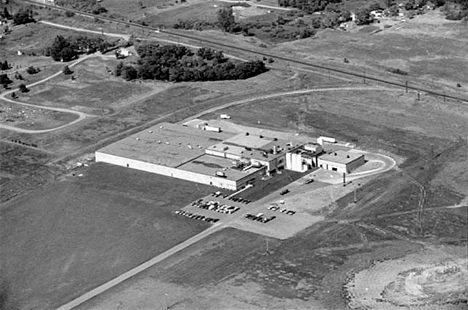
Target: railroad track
(258, 53)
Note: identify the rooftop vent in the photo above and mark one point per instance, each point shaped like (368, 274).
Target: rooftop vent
(246, 133)
(150, 131)
(261, 137)
(336, 154)
(348, 156)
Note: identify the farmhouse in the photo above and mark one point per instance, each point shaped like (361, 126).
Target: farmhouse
(341, 161)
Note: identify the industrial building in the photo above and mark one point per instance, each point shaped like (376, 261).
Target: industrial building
(213, 157)
(341, 161)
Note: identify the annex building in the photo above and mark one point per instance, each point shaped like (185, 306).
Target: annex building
(217, 158)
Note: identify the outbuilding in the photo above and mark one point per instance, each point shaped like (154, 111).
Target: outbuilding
(341, 161)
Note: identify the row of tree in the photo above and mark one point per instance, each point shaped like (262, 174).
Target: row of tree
(66, 49)
(179, 63)
(89, 6)
(23, 16)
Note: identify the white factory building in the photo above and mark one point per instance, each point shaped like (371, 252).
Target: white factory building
(217, 158)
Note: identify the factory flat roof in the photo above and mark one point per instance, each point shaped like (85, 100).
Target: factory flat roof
(341, 157)
(253, 147)
(166, 144)
(209, 165)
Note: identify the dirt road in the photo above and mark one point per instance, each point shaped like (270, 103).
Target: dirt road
(81, 115)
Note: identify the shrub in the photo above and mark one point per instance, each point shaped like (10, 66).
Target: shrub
(66, 70)
(23, 88)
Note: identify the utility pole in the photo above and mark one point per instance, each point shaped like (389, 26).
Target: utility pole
(344, 179)
(419, 96)
(355, 199)
(267, 250)
(406, 86)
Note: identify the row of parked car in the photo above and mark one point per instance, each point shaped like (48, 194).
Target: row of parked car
(215, 206)
(282, 210)
(260, 218)
(197, 216)
(236, 199)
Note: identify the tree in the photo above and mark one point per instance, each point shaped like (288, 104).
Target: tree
(32, 70)
(118, 69)
(5, 80)
(226, 19)
(129, 73)
(23, 88)
(66, 70)
(393, 10)
(23, 17)
(4, 65)
(62, 50)
(363, 17)
(6, 14)
(18, 76)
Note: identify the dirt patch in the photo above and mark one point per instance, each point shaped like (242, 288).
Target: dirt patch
(432, 279)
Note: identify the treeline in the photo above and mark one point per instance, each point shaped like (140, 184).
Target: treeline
(88, 6)
(286, 27)
(23, 16)
(66, 49)
(308, 6)
(179, 63)
(455, 9)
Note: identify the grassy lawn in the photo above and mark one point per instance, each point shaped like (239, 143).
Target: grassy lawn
(93, 87)
(202, 11)
(60, 241)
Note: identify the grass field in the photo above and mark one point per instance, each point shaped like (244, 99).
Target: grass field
(93, 89)
(61, 241)
(427, 47)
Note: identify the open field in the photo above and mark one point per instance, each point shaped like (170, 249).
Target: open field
(93, 90)
(427, 48)
(62, 240)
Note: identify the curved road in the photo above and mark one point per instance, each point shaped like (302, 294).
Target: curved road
(81, 115)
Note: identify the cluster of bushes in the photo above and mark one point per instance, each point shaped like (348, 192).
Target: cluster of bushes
(88, 6)
(285, 27)
(195, 24)
(397, 71)
(179, 63)
(5, 80)
(32, 70)
(23, 16)
(309, 6)
(66, 49)
(455, 9)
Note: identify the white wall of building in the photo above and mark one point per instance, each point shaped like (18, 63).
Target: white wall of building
(166, 171)
(340, 167)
